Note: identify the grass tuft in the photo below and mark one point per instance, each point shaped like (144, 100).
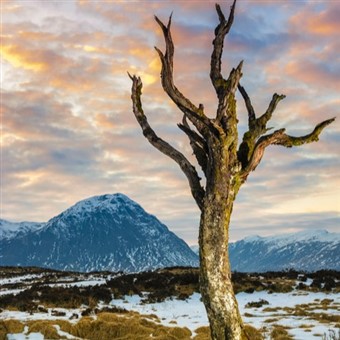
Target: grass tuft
(253, 333)
(46, 328)
(202, 333)
(10, 326)
(280, 333)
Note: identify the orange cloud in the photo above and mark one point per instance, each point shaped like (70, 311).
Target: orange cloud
(310, 72)
(23, 58)
(325, 23)
(104, 121)
(94, 49)
(322, 23)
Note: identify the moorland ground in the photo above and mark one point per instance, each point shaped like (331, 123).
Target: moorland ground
(106, 305)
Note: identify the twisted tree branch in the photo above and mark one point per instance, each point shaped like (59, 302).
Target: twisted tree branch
(264, 119)
(225, 88)
(249, 106)
(198, 145)
(221, 31)
(279, 137)
(256, 126)
(188, 169)
(195, 114)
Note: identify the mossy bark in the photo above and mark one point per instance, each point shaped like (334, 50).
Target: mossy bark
(215, 272)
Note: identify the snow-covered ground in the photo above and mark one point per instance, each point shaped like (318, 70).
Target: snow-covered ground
(188, 313)
(21, 279)
(191, 312)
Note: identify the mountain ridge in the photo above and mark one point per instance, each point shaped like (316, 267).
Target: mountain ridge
(112, 232)
(306, 250)
(106, 232)
(310, 250)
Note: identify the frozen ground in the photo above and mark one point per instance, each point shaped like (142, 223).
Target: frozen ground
(190, 312)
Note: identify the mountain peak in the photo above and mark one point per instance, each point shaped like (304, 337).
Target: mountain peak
(106, 199)
(112, 203)
(106, 232)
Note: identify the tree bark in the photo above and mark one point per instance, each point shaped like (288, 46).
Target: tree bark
(215, 272)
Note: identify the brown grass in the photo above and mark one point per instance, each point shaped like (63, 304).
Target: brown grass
(280, 333)
(10, 326)
(306, 326)
(109, 326)
(248, 315)
(324, 318)
(253, 333)
(45, 327)
(202, 333)
(271, 320)
(271, 309)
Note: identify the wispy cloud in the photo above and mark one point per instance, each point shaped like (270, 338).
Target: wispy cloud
(69, 133)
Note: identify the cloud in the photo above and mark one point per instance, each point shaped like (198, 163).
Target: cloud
(314, 72)
(68, 129)
(322, 22)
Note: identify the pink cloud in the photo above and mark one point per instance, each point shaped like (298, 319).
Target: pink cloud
(69, 129)
(324, 23)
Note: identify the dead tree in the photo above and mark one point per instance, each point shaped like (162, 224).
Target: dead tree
(226, 166)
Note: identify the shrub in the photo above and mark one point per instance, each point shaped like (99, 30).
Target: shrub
(256, 304)
(279, 288)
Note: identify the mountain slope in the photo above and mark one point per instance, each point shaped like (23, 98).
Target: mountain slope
(307, 250)
(109, 232)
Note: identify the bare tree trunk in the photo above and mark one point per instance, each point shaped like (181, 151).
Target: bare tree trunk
(215, 272)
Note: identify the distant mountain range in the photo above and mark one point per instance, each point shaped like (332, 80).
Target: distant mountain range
(307, 250)
(112, 232)
(109, 232)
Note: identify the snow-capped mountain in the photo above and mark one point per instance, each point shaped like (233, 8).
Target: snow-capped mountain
(9, 230)
(108, 232)
(306, 250)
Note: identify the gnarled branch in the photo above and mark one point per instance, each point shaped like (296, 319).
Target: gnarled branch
(256, 126)
(279, 137)
(220, 32)
(249, 106)
(188, 169)
(264, 119)
(227, 94)
(225, 88)
(197, 143)
(195, 114)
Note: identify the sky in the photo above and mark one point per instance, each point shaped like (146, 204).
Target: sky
(68, 131)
